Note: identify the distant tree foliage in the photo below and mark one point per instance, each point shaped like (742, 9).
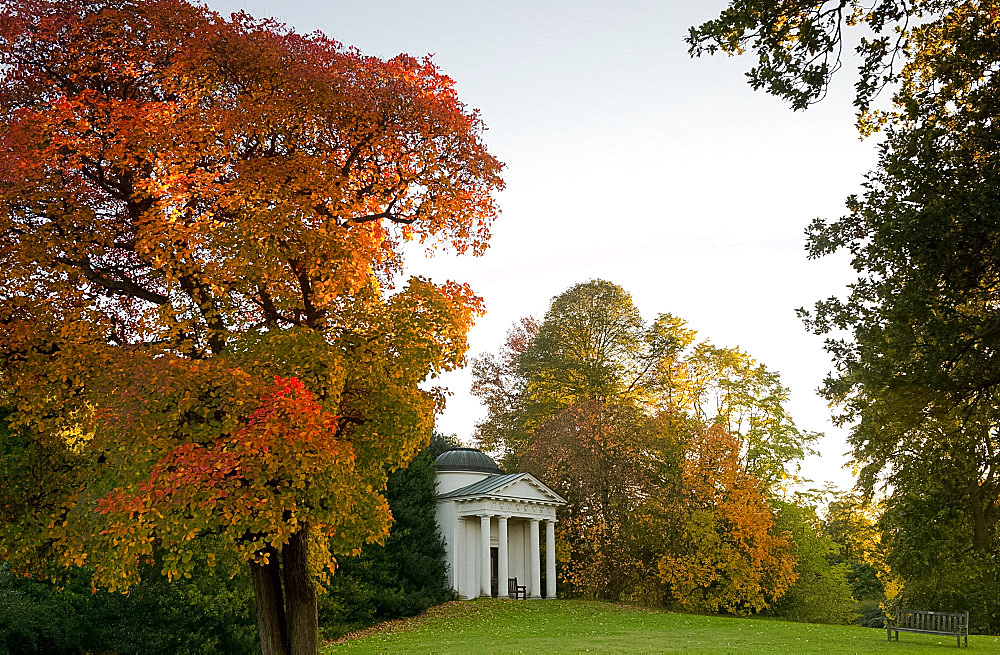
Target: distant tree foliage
(610, 462)
(852, 523)
(594, 345)
(822, 592)
(628, 420)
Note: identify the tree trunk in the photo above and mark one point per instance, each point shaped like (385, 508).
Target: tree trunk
(271, 624)
(300, 596)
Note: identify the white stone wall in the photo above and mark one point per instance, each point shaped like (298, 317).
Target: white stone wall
(451, 480)
(445, 516)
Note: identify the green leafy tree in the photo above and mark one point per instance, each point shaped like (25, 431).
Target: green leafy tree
(594, 345)
(918, 380)
(202, 614)
(727, 387)
(822, 592)
(800, 44)
(931, 545)
(604, 407)
(916, 373)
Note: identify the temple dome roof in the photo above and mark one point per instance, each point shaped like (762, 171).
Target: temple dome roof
(466, 459)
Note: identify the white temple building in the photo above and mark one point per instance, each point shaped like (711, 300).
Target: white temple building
(491, 523)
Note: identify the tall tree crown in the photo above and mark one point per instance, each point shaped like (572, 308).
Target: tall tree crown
(203, 223)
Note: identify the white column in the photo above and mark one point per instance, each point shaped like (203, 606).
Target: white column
(502, 554)
(550, 559)
(484, 565)
(535, 572)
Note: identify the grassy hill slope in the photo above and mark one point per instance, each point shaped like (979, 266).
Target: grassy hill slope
(569, 626)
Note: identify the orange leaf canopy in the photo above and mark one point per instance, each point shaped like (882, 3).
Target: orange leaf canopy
(194, 207)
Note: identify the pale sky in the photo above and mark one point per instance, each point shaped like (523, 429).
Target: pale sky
(626, 160)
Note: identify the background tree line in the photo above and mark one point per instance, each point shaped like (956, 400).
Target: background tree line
(916, 339)
(674, 456)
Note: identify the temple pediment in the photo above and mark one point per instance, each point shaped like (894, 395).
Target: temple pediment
(510, 487)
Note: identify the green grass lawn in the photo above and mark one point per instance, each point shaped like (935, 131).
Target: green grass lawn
(572, 626)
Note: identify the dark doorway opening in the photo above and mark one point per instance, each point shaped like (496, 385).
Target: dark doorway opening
(494, 571)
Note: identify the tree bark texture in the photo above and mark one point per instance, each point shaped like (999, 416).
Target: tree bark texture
(268, 598)
(300, 596)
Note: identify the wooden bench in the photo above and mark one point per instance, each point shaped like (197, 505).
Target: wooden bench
(929, 623)
(515, 590)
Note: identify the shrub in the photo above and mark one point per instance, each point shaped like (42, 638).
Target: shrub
(203, 614)
(821, 593)
(406, 575)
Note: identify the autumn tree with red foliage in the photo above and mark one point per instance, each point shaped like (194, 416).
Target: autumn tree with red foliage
(203, 221)
(610, 462)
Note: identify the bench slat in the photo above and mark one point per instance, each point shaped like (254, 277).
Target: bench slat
(928, 631)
